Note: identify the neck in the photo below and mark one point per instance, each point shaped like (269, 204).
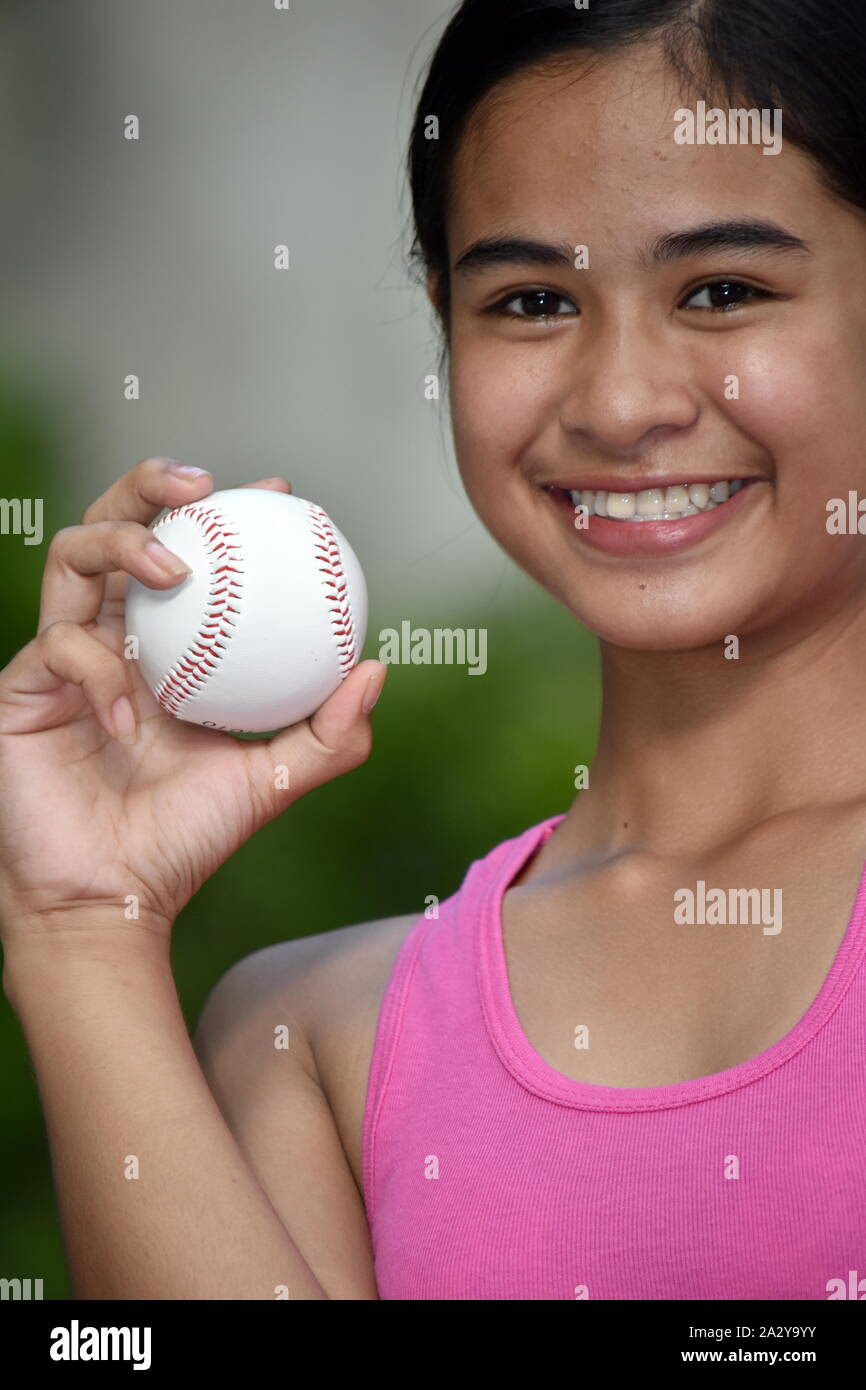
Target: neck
(696, 749)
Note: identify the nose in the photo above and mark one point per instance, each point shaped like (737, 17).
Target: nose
(629, 388)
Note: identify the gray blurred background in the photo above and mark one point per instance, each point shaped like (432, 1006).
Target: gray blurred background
(155, 257)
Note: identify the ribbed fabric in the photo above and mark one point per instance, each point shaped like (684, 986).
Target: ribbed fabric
(489, 1175)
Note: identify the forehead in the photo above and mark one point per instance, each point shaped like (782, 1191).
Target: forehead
(587, 145)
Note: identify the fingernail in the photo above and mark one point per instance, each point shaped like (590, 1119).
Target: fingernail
(375, 686)
(123, 720)
(184, 470)
(167, 562)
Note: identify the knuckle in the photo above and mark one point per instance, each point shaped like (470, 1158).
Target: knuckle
(102, 671)
(60, 540)
(143, 468)
(359, 748)
(126, 535)
(58, 633)
(125, 531)
(116, 533)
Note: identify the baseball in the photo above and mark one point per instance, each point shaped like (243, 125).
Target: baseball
(271, 620)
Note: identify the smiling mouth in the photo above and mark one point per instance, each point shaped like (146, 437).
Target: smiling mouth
(655, 503)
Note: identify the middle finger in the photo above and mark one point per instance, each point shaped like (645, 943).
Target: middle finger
(79, 558)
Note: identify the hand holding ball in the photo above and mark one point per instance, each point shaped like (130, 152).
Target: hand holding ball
(271, 620)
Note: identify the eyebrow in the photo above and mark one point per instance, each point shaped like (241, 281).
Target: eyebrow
(753, 235)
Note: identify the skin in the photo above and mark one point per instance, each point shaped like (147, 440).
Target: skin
(97, 808)
(705, 767)
(745, 772)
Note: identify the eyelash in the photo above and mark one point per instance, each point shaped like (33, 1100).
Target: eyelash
(501, 306)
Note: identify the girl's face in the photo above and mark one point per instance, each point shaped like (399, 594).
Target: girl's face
(627, 371)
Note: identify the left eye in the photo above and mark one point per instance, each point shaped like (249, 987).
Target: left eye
(720, 295)
(544, 301)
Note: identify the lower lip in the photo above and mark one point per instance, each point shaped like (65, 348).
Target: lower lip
(645, 539)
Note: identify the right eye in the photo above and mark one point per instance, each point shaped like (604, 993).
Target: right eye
(543, 300)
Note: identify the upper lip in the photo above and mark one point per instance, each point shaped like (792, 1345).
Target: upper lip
(614, 483)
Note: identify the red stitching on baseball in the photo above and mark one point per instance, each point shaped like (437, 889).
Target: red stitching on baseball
(327, 553)
(190, 674)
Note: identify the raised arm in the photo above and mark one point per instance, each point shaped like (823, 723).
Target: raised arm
(157, 1199)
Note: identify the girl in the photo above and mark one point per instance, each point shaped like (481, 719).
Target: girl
(627, 1059)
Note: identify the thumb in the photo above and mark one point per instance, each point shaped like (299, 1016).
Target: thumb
(334, 740)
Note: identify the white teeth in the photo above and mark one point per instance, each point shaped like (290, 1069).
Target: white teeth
(621, 505)
(651, 502)
(655, 503)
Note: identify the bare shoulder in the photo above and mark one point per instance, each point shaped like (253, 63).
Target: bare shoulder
(326, 991)
(322, 980)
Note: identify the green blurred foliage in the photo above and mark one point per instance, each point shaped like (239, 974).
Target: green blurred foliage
(459, 763)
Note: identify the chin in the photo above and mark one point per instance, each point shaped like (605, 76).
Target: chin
(665, 623)
(663, 637)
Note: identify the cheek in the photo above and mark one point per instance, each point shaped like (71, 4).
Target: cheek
(495, 421)
(804, 404)
(806, 410)
(498, 407)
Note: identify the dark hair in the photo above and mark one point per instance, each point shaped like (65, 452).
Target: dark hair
(805, 57)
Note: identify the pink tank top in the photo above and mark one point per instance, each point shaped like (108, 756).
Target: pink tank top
(489, 1175)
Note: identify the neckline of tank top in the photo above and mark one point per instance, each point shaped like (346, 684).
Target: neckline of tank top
(529, 1068)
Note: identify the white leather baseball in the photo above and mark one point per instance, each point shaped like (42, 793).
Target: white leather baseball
(271, 620)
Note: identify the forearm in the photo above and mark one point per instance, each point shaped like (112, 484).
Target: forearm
(156, 1198)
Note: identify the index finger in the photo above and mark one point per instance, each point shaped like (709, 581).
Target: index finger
(139, 495)
(143, 491)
